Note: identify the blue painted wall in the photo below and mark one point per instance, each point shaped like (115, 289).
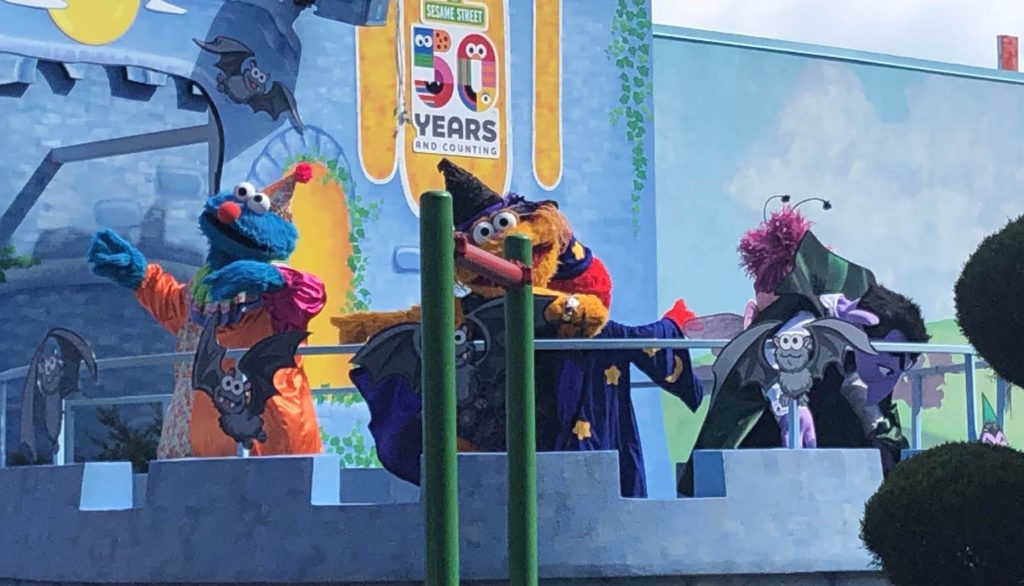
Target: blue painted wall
(916, 157)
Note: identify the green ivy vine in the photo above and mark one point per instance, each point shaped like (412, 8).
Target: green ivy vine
(630, 49)
(352, 448)
(361, 213)
(10, 259)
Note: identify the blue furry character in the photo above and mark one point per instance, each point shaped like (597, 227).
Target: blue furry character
(249, 292)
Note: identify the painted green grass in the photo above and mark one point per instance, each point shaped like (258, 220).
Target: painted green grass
(947, 423)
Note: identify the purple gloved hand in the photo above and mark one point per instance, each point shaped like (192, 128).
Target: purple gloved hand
(808, 437)
(847, 310)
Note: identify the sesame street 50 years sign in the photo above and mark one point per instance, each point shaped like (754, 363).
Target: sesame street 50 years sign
(454, 66)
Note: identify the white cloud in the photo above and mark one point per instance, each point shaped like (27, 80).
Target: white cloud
(913, 197)
(164, 7)
(45, 4)
(954, 31)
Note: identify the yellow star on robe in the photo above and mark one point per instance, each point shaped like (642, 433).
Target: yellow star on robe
(611, 375)
(650, 352)
(581, 429)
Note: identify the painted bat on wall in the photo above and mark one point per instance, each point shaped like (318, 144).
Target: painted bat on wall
(51, 377)
(241, 402)
(244, 82)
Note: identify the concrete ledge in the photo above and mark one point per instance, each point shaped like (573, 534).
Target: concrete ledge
(106, 486)
(844, 579)
(275, 520)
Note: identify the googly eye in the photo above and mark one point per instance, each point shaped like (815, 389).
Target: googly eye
(504, 221)
(460, 337)
(481, 51)
(227, 382)
(798, 342)
(237, 388)
(244, 190)
(485, 98)
(258, 204)
(785, 343)
(482, 232)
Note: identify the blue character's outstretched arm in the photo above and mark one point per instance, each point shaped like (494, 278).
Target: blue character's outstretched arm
(244, 276)
(114, 258)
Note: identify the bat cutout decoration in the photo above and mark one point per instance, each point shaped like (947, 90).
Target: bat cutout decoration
(801, 355)
(51, 377)
(243, 82)
(479, 374)
(241, 402)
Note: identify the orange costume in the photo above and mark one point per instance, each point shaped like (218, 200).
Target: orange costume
(190, 426)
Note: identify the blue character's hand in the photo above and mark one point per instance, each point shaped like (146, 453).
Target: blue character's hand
(114, 258)
(244, 276)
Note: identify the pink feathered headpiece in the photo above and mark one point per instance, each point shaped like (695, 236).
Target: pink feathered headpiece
(767, 251)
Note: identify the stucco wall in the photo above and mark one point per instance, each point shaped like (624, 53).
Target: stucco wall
(281, 520)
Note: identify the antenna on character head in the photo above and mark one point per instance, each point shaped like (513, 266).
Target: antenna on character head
(764, 210)
(786, 198)
(825, 204)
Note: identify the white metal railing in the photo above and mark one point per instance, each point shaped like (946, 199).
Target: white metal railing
(66, 445)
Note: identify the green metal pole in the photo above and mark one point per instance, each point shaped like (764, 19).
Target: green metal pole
(440, 486)
(521, 427)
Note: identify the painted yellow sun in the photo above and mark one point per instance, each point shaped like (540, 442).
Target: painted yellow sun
(95, 22)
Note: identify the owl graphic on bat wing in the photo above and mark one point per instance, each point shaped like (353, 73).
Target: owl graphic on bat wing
(801, 355)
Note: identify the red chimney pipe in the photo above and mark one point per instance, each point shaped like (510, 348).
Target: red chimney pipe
(1007, 47)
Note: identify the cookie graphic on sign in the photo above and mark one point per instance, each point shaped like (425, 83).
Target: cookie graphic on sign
(442, 41)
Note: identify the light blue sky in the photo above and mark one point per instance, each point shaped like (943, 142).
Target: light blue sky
(919, 165)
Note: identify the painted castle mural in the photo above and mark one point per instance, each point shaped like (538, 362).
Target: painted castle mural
(132, 120)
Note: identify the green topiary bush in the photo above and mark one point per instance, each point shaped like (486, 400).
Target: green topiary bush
(989, 304)
(952, 515)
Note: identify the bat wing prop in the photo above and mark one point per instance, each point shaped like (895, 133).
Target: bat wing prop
(277, 100)
(263, 360)
(832, 337)
(231, 54)
(744, 357)
(394, 351)
(489, 322)
(207, 371)
(74, 351)
(718, 326)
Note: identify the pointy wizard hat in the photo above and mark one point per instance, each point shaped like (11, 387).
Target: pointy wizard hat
(816, 271)
(471, 199)
(988, 414)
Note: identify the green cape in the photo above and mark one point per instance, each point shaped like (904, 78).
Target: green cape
(740, 416)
